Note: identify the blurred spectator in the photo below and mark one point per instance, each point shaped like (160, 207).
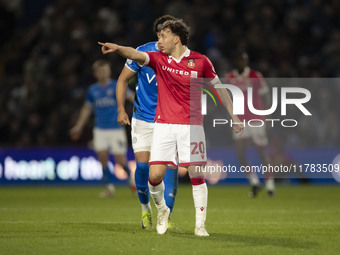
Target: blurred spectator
(47, 48)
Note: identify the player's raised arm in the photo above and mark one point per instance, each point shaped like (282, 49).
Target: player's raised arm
(126, 52)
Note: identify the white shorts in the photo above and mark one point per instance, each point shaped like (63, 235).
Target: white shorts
(113, 140)
(141, 133)
(257, 134)
(183, 142)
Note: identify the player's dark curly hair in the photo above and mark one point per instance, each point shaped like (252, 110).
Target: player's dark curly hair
(178, 27)
(159, 21)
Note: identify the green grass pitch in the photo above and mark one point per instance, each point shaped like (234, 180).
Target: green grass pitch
(74, 220)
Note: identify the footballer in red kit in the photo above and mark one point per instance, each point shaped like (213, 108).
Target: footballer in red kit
(244, 77)
(249, 78)
(174, 107)
(174, 131)
(173, 77)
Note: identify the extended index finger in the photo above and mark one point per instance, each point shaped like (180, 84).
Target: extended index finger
(100, 43)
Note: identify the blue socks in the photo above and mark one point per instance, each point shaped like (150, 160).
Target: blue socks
(107, 176)
(170, 182)
(171, 185)
(141, 180)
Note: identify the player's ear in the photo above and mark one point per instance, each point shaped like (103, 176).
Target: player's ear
(177, 40)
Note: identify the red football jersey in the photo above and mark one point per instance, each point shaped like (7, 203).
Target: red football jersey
(177, 97)
(254, 79)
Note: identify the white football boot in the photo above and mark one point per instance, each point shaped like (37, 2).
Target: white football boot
(162, 221)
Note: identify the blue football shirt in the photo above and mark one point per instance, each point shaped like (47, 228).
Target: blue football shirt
(103, 101)
(144, 107)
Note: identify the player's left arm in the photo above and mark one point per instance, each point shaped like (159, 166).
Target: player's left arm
(121, 94)
(76, 131)
(209, 72)
(228, 104)
(130, 95)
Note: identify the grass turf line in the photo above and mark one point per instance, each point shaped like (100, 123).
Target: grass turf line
(74, 220)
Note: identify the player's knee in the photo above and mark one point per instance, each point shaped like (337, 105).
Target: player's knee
(156, 173)
(155, 177)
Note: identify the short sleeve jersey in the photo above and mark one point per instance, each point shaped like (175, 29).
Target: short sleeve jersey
(144, 106)
(177, 94)
(103, 101)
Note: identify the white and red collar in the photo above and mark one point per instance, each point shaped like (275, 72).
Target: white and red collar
(186, 53)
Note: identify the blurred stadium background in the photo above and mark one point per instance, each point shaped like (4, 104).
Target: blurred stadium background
(47, 48)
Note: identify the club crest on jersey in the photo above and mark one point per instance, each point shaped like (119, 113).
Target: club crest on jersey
(191, 63)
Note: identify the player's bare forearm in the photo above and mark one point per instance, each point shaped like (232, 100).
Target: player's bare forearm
(121, 89)
(131, 53)
(84, 116)
(76, 131)
(122, 85)
(228, 104)
(126, 52)
(226, 100)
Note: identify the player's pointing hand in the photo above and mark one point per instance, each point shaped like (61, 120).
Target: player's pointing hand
(108, 47)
